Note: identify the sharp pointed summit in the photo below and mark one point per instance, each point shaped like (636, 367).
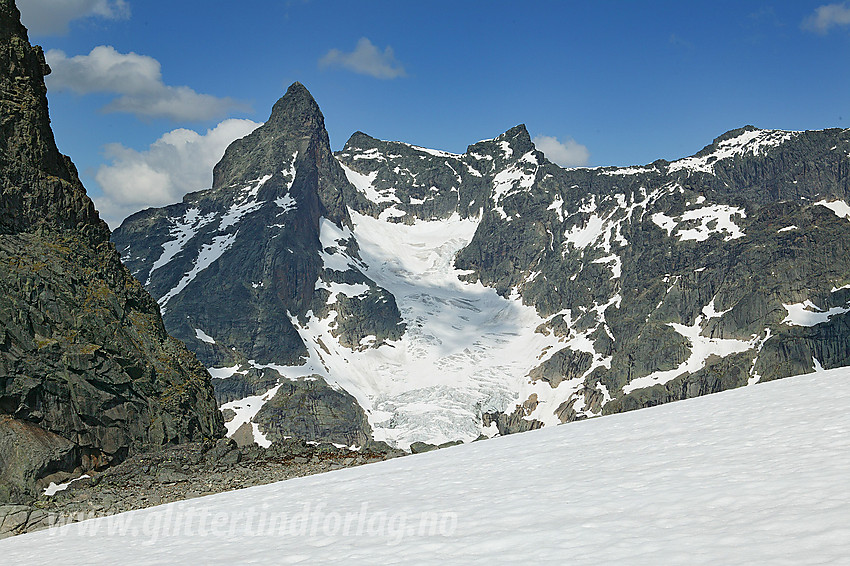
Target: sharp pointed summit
(295, 124)
(293, 140)
(296, 109)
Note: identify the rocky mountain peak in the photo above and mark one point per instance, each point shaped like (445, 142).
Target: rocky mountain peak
(360, 140)
(519, 139)
(732, 134)
(293, 147)
(296, 110)
(32, 171)
(295, 126)
(747, 139)
(504, 292)
(517, 135)
(507, 147)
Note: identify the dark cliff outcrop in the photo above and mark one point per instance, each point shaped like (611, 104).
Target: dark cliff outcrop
(88, 373)
(309, 408)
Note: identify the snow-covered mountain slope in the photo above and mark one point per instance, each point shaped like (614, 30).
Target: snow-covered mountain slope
(465, 351)
(751, 476)
(430, 296)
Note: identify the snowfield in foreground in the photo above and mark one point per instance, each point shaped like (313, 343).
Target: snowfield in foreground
(749, 476)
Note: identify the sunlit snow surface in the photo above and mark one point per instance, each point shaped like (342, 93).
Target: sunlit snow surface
(809, 314)
(756, 475)
(363, 183)
(207, 256)
(839, 207)
(714, 218)
(55, 488)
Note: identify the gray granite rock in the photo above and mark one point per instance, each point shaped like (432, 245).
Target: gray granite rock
(310, 408)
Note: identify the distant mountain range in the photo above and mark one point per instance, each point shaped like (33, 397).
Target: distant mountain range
(404, 294)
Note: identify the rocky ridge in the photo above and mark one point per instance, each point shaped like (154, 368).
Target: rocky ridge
(178, 473)
(454, 295)
(88, 373)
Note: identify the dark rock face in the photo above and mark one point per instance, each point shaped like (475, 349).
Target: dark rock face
(422, 447)
(52, 195)
(516, 421)
(252, 382)
(28, 453)
(85, 360)
(238, 267)
(564, 364)
(310, 408)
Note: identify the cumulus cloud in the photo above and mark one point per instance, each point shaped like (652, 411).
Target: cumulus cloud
(137, 78)
(366, 59)
(827, 17)
(568, 153)
(51, 17)
(178, 162)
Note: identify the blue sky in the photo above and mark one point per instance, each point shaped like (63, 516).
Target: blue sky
(145, 95)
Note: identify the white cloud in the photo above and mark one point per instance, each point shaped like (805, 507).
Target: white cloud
(569, 153)
(366, 59)
(178, 162)
(137, 78)
(826, 17)
(51, 17)
(177, 103)
(104, 70)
